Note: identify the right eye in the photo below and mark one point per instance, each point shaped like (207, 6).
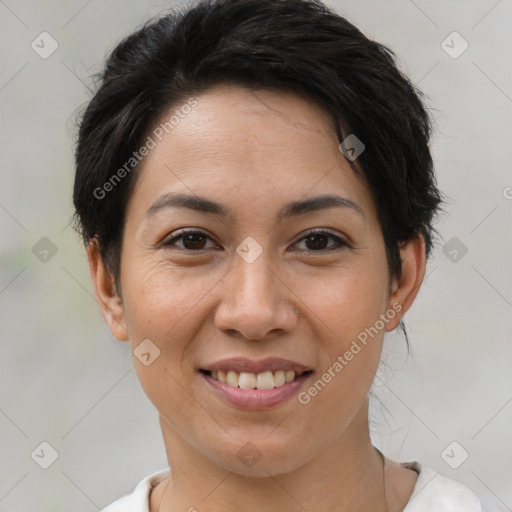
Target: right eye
(192, 241)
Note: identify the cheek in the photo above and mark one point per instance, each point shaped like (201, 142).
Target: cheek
(160, 298)
(345, 300)
(349, 343)
(163, 301)
(165, 305)
(346, 307)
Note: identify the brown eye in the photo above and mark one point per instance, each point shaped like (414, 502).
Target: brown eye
(190, 241)
(194, 242)
(317, 241)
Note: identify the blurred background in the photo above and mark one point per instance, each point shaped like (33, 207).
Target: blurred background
(76, 430)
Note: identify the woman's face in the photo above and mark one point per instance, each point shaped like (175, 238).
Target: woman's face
(253, 290)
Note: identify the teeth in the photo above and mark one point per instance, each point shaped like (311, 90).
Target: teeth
(247, 381)
(279, 378)
(232, 379)
(289, 375)
(265, 380)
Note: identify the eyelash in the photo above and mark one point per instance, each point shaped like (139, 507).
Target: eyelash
(169, 242)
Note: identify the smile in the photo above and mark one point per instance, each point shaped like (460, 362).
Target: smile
(245, 380)
(255, 385)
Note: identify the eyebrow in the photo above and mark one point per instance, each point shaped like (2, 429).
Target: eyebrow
(292, 209)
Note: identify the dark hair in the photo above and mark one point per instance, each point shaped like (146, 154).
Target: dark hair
(289, 45)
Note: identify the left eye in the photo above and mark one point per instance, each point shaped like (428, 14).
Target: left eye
(316, 241)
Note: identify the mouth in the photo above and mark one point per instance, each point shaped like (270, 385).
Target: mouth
(255, 385)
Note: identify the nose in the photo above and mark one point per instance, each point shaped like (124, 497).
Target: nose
(256, 300)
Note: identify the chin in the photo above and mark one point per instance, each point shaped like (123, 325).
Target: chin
(260, 457)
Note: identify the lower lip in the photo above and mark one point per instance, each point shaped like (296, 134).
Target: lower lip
(256, 399)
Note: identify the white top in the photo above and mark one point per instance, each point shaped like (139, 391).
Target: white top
(432, 493)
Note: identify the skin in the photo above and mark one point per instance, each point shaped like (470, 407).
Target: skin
(254, 151)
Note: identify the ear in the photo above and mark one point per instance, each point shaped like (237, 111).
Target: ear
(405, 290)
(110, 303)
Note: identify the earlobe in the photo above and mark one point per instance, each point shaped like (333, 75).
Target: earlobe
(109, 301)
(413, 271)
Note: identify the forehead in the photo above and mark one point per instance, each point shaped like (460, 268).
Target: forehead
(249, 148)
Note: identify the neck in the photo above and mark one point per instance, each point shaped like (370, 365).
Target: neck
(347, 476)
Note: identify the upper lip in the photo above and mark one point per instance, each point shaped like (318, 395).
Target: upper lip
(242, 364)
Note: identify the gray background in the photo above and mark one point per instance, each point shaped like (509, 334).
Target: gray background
(64, 380)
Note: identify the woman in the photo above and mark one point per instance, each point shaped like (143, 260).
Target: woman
(256, 192)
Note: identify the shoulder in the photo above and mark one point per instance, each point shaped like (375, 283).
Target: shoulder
(434, 492)
(138, 500)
